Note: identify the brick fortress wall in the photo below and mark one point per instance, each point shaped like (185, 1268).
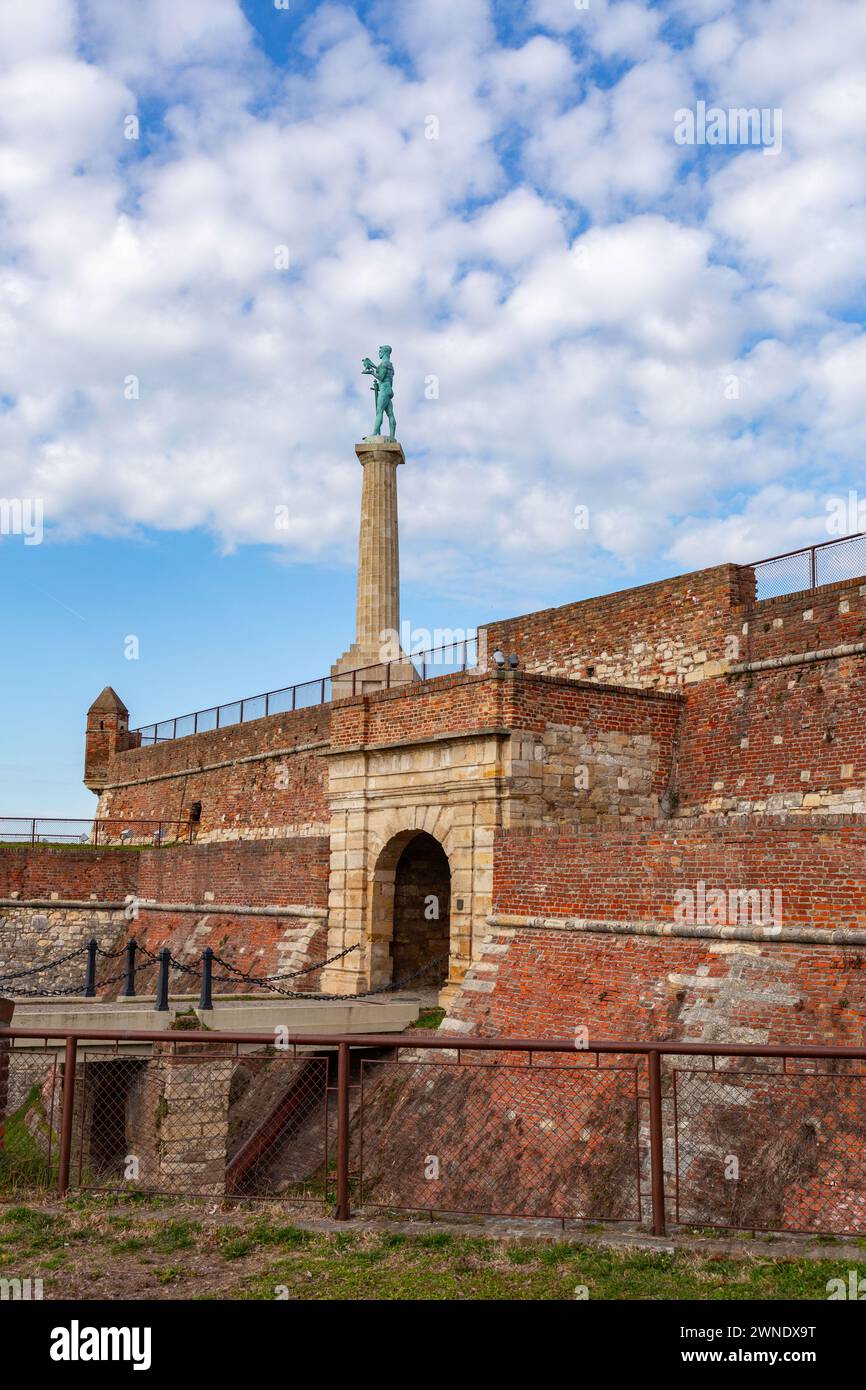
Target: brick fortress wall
(264, 778)
(586, 932)
(54, 900)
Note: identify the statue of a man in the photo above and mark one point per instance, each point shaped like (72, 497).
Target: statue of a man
(384, 389)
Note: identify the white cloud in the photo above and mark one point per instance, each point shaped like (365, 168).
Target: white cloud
(583, 310)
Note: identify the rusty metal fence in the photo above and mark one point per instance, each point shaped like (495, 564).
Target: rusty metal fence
(690, 1134)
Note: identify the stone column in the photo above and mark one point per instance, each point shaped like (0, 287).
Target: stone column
(378, 609)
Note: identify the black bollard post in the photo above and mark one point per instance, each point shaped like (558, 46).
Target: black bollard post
(129, 982)
(162, 987)
(206, 997)
(90, 976)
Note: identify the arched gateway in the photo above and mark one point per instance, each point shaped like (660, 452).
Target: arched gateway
(411, 912)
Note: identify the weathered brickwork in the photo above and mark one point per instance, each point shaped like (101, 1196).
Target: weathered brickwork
(43, 871)
(781, 740)
(265, 778)
(634, 874)
(548, 983)
(249, 874)
(582, 934)
(667, 634)
(812, 620)
(263, 873)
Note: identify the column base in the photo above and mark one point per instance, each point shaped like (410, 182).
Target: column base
(361, 670)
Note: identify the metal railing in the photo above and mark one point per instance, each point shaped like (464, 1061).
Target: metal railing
(449, 659)
(52, 830)
(623, 1131)
(827, 563)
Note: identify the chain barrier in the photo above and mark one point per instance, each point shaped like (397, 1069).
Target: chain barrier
(235, 976)
(49, 965)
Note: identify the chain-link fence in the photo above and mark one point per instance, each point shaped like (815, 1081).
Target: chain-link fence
(770, 1149)
(767, 1139)
(829, 563)
(29, 1117)
(202, 1120)
(510, 1140)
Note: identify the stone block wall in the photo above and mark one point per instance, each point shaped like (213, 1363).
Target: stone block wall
(587, 753)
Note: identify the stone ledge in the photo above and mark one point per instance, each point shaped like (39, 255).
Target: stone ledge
(813, 936)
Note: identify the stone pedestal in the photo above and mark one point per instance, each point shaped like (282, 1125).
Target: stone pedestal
(362, 668)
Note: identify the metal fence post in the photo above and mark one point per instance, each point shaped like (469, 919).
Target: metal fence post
(657, 1162)
(67, 1114)
(129, 982)
(206, 996)
(342, 1212)
(90, 974)
(162, 988)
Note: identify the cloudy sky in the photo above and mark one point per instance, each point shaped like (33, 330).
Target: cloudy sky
(210, 211)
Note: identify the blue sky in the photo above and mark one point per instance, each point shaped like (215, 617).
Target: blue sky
(583, 313)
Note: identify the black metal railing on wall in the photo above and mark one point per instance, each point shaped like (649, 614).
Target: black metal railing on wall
(807, 568)
(813, 565)
(446, 660)
(81, 830)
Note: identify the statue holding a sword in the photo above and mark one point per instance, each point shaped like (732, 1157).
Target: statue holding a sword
(383, 388)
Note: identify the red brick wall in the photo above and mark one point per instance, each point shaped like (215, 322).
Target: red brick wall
(777, 626)
(250, 943)
(279, 790)
(548, 983)
(741, 731)
(633, 874)
(512, 700)
(637, 636)
(70, 872)
(452, 704)
(250, 872)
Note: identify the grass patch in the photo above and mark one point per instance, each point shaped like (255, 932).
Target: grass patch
(251, 1255)
(428, 1018)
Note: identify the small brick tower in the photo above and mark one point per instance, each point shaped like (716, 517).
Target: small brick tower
(107, 733)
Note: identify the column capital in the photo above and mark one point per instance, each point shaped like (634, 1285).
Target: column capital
(380, 447)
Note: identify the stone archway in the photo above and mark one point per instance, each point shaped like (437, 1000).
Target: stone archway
(410, 922)
(422, 913)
